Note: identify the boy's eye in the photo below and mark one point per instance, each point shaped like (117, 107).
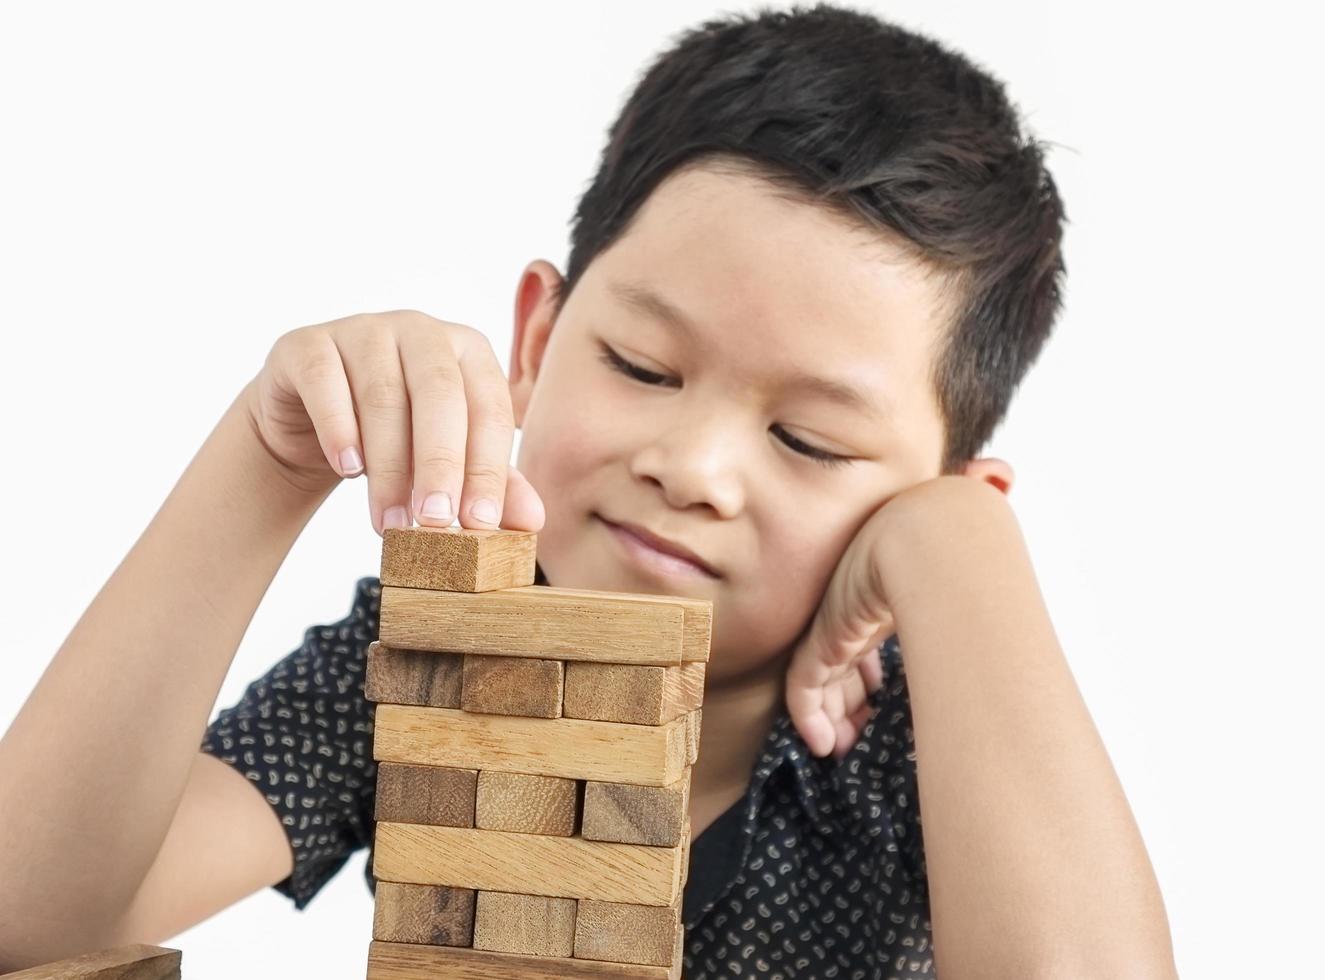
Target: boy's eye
(618, 363)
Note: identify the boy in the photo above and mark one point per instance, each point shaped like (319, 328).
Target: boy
(816, 261)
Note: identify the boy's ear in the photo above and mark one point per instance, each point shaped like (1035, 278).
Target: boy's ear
(991, 470)
(535, 315)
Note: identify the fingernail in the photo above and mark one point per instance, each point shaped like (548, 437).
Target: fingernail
(350, 462)
(395, 517)
(485, 511)
(437, 507)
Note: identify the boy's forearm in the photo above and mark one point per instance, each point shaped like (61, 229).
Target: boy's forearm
(92, 768)
(1036, 866)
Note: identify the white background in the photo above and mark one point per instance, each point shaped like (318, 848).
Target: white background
(180, 186)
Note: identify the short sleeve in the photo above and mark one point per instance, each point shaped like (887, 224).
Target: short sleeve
(303, 734)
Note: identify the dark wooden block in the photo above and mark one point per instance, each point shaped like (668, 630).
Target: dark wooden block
(636, 814)
(433, 795)
(437, 915)
(420, 677)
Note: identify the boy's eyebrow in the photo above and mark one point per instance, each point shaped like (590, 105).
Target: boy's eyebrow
(644, 299)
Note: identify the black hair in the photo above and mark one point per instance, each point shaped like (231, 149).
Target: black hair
(885, 127)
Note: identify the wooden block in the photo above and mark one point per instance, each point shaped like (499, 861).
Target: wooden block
(413, 676)
(526, 804)
(552, 623)
(536, 925)
(632, 693)
(567, 747)
(401, 961)
(409, 793)
(457, 558)
(624, 933)
(512, 686)
(133, 962)
(500, 861)
(434, 914)
(692, 727)
(629, 814)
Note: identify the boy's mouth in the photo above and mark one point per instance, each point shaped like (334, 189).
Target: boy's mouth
(657, 554)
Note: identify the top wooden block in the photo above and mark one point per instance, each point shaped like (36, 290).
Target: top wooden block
(458, 559)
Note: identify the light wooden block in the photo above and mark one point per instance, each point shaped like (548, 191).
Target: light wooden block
(551, 623)
(136, 961)
(692, 727)
(625, 933)
(457, 558)
(522, 686)
(631, 693)
(409, 793)
(402, 961)
(526, 804)
(438, 915)
(629, 814)
(530, 864)
(536, 925)
(566, 747)
(413, 677)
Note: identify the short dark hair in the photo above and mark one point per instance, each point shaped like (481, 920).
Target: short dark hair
(885, 127)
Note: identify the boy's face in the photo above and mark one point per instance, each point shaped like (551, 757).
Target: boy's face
(709, 457)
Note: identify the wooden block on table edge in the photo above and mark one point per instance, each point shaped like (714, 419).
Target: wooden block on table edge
(621, 932)
(633, 814)
(136, 961)
(527, 804)
(457, 559)
(633, 694)
(550, 623)
(533, 925)
(434, 915)
(528, 687)
(410, 793)
(424, 677)
(568, 747)
(529, 864)
(401, 961)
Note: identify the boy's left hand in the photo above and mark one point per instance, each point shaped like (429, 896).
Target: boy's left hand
(836, 666)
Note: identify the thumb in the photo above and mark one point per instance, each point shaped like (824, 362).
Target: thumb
(523, 508)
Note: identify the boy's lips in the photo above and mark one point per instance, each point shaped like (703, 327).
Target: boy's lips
(660, 544)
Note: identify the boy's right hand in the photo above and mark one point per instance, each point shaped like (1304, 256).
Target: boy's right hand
(422, 402)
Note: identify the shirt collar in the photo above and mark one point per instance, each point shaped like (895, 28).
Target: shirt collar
(816, 780)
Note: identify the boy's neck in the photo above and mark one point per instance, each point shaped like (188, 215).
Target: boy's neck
(737, 715)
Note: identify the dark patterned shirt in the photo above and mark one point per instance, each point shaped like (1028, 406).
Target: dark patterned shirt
(817, 872)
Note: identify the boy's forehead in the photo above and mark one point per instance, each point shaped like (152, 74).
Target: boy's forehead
(712, 254)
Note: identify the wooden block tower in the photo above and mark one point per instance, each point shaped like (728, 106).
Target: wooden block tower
(534, 749)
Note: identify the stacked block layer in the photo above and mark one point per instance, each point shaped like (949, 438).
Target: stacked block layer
(534, 749)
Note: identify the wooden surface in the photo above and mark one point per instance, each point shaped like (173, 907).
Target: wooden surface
(632, 693)
(527, 804)
(626, 933)
(526, 686)
(425, 794)
(413, 676)
(457, 558)
(434, 914)
(134, 962)
(552, 623)
(400, 961)
(654, 815)
(536, 925)
(567, 747)
(531, 864)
